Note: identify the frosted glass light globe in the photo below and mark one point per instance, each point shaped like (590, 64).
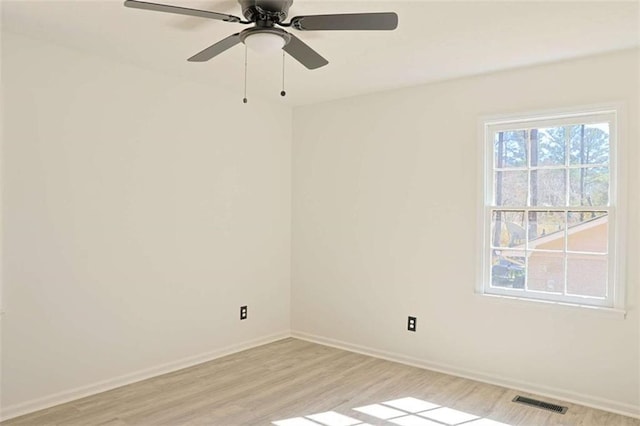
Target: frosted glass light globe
(264, 42)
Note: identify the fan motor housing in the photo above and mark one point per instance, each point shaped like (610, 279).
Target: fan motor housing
(265, 10)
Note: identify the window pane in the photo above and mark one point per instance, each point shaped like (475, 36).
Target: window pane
(588, 231)
(590, 144)
(587, 275)
(545, 272)
(507, 228)
(549, 235)
(548, 188)
(507, 268)
(550, 147)
(510, 188)
(546, 230)
(589, 186)
(510, 149)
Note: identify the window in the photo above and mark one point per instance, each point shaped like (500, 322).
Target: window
(550, 208)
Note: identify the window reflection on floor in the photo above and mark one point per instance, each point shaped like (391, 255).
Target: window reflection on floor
(404, 412)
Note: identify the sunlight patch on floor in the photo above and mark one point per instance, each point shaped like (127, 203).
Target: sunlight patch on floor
(407, 411)
(297, 421)
(380, 411)
(448, 416)
(411, 405)
(413, 421)
(331, 418)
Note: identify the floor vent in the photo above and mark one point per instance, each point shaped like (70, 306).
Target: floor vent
(540, 404)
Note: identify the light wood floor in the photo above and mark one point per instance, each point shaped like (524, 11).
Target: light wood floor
(293, 378)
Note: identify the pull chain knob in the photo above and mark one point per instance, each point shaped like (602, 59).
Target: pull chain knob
(283, 93)
(244, 100)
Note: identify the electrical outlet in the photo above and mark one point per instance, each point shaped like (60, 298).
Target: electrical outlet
(412, 323)
(243, 312)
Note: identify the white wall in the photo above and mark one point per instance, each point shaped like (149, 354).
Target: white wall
(384, 226)
(140, 212)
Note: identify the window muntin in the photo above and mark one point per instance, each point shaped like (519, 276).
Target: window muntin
(549, 209)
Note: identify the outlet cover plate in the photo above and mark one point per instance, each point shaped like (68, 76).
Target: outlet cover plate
(412, 323)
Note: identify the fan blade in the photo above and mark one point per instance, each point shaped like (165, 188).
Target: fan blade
(301, 52)
(189, 23)
(180, 10)
(349, 21)
(216, 49)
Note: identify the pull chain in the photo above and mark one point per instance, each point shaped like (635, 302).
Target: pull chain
(283, 93)
(244, 100)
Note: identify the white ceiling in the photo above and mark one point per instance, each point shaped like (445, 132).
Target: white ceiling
(434, 40)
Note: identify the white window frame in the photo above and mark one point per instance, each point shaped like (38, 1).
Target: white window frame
(613, 114)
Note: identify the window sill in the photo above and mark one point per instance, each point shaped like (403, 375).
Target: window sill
(597, 310)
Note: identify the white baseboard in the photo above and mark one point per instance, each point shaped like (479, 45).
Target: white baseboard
(549, 392)
(92, 389)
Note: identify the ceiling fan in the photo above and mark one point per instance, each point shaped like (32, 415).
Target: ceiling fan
(267, 16)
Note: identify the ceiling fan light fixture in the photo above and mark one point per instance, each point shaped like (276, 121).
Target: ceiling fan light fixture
(264, 42)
